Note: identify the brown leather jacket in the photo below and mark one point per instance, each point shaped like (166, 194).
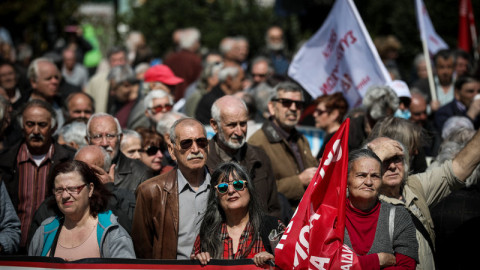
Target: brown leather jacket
(155, 222)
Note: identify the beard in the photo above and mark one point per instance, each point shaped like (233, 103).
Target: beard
(240, 140)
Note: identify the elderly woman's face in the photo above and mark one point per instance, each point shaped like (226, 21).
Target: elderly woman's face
(364, 180)
(72, 194)
(235, 198)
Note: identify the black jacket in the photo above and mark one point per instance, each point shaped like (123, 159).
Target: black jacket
(9, 171)
(129, 173)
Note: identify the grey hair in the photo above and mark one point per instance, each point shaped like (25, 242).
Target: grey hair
(32, 71)
(41, 104)
(406, 160)
(141, 67)
(74, 132)
(148, 100)
(226, 45)
(120, 74)
(107, 160)
(363, 153)
(226, 72)
(418, 59)
(287, 87)
(167, 120)
(130, 133)
(102, 114)
(454, 123)
(188, 37)
(173, 135)
(262, 58)
(216, 113)
(378, 99)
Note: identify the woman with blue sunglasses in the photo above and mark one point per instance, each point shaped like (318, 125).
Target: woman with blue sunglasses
(234, 225)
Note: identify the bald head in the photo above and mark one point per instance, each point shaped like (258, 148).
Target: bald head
(418, 109)
(94, 155)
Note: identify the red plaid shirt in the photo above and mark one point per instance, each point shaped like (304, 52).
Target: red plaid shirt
(245, 239)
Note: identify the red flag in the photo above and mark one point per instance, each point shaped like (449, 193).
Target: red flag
(314, 236)
(467, 32)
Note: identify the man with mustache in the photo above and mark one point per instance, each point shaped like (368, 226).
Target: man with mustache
(289, 151)
(229, 121)
(104, 130)
(170, 206)
(26, 166)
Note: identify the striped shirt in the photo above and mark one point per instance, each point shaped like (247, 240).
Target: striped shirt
(32, 186)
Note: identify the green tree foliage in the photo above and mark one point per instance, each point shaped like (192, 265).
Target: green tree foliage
(214, 18)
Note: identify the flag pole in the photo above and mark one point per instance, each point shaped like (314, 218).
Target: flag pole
(431, 83)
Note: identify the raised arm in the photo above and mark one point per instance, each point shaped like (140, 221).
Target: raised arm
(467, 159)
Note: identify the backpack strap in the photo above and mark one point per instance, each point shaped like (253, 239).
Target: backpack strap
(391, 223)
(419, 226)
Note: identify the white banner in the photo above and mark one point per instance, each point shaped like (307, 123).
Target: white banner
(339, 57)
(427, 32)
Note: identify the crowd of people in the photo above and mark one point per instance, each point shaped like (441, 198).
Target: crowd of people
(116, 162)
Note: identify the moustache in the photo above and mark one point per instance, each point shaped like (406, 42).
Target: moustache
(36, 137)
(109, 149)
(192, 156)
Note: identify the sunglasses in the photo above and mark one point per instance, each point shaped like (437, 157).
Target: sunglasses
(186, 144)
(238, 185)
(320, 112)
(161, 108)
(152, 150)
(287, 103)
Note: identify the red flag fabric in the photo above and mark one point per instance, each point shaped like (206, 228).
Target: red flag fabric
(467, 31)
(314, 237)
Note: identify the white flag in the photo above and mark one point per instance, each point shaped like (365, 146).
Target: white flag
(339, 57)
(427, 32)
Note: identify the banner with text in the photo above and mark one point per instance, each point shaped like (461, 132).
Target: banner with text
(314, 237)
(339, 57)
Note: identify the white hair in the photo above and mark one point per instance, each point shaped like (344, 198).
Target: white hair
(101, 114)
(226, 72)
(226, 45)
(74, 132)
(216, 113)
(32, 71)
(167, 120)
(148, 99)
(189, 37)
(378, 99)
(455, 123)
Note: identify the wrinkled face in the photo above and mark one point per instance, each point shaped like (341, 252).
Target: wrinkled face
(160, 106)
(323, 118)
(103, 132)
(188, 149)
(237, 82)
(468, 92)
(418, 110)
(444, 69)
(131, 147)
(232, 130)
(37, 127)
(72, 203)
(275, 38)
(234, 199)
(152, 156)
(394, 172)
(260, 72)
(7, 77)
(48, 80)
(122, 91)
(117, 59)
(461, 66)
(286, 115)
(242, 50)
(80, 107)
(364, 180)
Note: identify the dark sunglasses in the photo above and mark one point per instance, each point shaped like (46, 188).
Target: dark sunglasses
(238, 185)
(161, 108)
(186, 144)
(152, 150)
(287, 103)
(320, 112)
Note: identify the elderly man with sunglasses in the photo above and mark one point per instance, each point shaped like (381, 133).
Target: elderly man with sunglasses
(170, 206)
(104, 130)
(289, 151)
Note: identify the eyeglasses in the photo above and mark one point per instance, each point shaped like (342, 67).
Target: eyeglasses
(161, 108)
(70, 190)
(98, 137)
(186, 144)
(152, 150)
(287, 103)
(320, 112)
(238, 185)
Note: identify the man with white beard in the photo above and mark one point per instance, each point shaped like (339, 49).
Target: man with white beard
(229, 121)
(104, 130)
